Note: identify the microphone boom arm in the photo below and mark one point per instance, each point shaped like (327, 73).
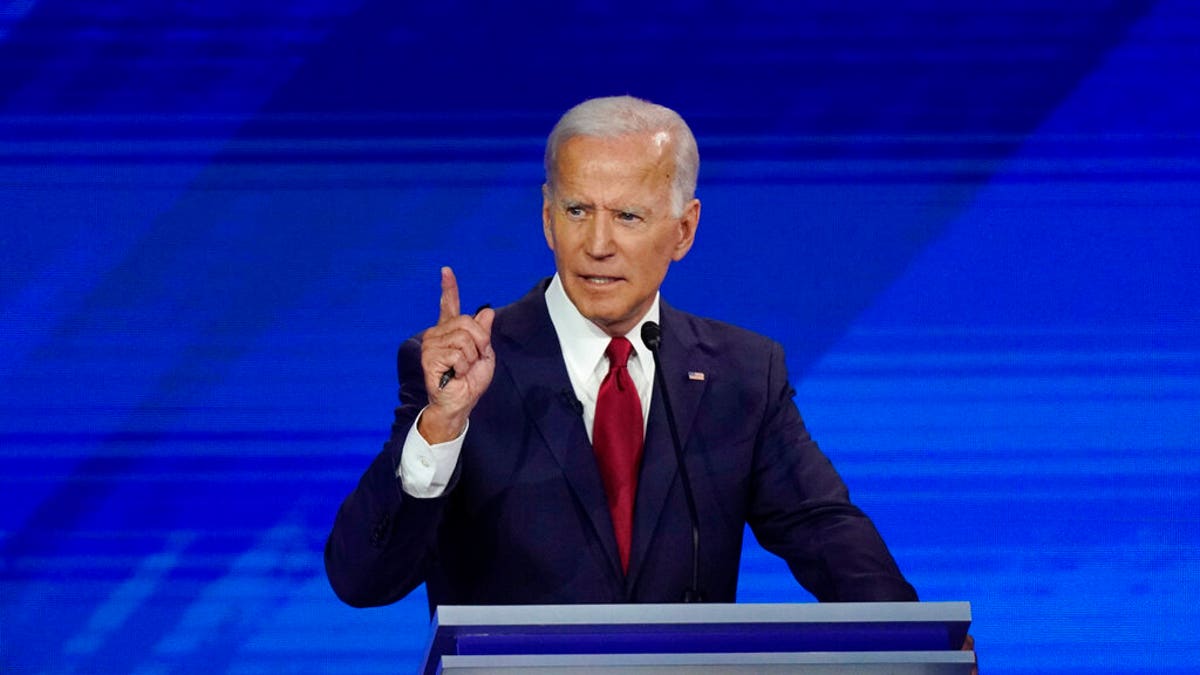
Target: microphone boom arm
(652, 336)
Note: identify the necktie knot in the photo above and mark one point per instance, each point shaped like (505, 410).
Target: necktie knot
(618, 352)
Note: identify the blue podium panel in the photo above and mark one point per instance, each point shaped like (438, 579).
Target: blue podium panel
(826, 663)
(488, 633)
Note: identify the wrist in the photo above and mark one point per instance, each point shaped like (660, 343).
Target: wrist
(437, 426)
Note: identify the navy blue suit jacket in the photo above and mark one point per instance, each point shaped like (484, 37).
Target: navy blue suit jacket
(525, 520)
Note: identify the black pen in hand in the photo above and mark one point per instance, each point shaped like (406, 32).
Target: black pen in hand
(449, 374)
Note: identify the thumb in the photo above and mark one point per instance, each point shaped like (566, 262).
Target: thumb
(484, 318)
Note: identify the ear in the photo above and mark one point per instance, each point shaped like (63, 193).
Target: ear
(547, 218)
(687, 230)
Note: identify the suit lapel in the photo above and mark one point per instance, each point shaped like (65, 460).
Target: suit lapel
(681, 356)
(528, 347)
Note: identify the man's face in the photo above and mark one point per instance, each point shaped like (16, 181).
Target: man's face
(608, 220)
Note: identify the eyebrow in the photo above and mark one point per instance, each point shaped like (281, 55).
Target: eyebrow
(640, 211)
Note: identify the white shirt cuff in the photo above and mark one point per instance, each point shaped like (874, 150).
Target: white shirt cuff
(425, 469)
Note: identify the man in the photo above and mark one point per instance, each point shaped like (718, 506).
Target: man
(531, 461)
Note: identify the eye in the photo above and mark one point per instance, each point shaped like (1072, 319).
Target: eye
(628, 217)
(574, 210)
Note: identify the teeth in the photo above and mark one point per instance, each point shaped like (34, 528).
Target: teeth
(600, 280)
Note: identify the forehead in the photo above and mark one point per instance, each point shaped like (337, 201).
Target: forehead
(642, 160)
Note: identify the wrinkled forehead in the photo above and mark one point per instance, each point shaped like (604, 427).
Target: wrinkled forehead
(645, 151)
(632, 156)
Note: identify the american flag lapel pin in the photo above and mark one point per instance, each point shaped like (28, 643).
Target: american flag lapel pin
(695, 376)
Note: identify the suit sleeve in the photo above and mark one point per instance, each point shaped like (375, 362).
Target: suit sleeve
(382, 540)
(801, 510)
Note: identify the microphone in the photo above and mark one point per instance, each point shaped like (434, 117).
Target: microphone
(652, 336)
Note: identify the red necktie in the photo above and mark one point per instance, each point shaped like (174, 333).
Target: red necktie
(617, 439)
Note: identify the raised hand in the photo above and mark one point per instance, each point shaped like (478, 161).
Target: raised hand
(460, 346)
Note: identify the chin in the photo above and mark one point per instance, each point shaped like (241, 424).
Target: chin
(603, 312)
(608, 321)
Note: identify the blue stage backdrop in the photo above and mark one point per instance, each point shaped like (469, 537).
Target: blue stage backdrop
(974, 226)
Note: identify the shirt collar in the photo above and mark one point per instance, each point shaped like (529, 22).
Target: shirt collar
(582, 342)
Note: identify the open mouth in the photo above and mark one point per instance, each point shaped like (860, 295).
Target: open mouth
(601, 281)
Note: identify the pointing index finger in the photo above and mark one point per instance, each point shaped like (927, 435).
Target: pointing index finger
(448, 308)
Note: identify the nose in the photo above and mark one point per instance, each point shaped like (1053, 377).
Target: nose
(599, 239)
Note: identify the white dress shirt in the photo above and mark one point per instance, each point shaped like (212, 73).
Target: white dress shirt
(425, 469)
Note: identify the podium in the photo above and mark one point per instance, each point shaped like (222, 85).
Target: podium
(904, 638)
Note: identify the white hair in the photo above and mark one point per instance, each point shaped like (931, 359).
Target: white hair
(614, 116)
